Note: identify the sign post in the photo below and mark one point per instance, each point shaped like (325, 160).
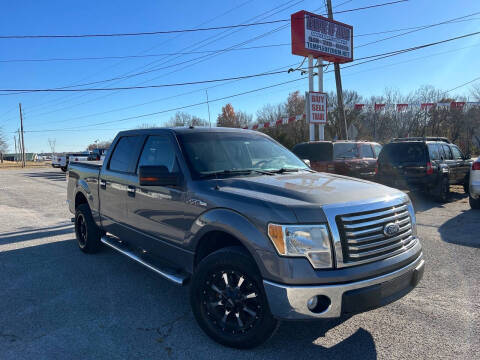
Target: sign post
(324, 39)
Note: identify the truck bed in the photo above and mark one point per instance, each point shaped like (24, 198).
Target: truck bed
(84, 176)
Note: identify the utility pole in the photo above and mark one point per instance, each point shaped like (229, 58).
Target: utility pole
(15, 142)
(21, 129)
(208, 106)
(338, 81)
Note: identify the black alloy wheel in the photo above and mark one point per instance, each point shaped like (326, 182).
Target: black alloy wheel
(228, 299)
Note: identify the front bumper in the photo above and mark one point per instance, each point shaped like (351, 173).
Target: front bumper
(290, 302)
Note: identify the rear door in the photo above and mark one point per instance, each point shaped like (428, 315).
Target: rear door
(113, 188)
(403, 163)
(368, 161)
(462, 166)
(450, 163)
(156, 213)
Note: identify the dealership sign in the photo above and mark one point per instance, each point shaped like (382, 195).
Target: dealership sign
(321, 37)
(317, 104)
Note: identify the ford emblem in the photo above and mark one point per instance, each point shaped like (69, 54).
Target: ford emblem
(391, 229)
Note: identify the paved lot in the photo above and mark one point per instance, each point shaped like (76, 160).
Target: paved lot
(57, 303)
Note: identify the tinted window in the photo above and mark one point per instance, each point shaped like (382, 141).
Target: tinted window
(317, 151)
(377, 148)
(433, 151)
(345, 151)
(366, 151)
(159, 151)
(397, 153)
(124, 156)
(447, 153)
(457, 154)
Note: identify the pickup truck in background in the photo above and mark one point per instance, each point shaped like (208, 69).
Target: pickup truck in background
(256, 234)
(351, 158)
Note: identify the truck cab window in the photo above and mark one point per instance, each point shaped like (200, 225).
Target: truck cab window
(125, 154)
(159, 151)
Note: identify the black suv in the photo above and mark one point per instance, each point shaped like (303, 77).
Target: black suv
(429, 164)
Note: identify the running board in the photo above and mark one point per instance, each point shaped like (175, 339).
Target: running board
(171, 275)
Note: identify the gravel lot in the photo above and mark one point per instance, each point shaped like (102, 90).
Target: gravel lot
(57, 303)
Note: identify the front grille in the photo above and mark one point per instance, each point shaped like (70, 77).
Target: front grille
(362, 234)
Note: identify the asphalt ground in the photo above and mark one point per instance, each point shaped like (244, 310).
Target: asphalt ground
(58, 303)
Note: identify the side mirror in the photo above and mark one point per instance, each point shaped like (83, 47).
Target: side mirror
(306, 161)
(157, 176)
(468, 156)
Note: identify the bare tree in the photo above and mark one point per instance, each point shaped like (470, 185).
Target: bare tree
(3, 142)
(185, 119)
(476, 92)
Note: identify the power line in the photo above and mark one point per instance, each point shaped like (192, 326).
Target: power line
(419, 29)
(163, 32)
(138, 56)
(371, 58)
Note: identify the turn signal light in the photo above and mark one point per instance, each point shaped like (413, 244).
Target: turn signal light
(476, 166)
(275, 232)
(429, 168)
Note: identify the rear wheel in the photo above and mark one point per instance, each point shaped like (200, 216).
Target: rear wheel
(443, 190)
(474, 203)
(64, 168)
(86, 231)
(228, 299)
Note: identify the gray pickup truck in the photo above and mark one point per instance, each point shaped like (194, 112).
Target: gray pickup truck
(258, 236)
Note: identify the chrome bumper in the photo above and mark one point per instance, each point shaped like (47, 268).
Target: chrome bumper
(290, 302)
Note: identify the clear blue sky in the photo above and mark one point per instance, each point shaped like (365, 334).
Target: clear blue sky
(59, 110)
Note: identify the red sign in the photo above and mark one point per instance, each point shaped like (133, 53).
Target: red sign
(321, 37)
(317, 102)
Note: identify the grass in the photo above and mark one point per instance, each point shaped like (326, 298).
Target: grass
(18, 165)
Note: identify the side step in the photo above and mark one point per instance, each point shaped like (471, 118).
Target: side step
(168, 274)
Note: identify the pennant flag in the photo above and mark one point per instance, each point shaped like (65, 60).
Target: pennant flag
(426, 106)
(457, 104)
(401, 107)
(379, 107)
(359, 106)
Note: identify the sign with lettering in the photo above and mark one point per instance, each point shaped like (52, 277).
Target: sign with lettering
(321, 37)
(317, 103)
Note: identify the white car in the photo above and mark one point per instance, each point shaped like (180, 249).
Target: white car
(474, 185)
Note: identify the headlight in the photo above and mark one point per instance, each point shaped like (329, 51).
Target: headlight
(310, 241)
(411, 210)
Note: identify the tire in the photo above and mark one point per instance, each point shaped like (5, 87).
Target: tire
(474, 203)
(219, 305)
(86, 231)
(64, 168)
(443, 190)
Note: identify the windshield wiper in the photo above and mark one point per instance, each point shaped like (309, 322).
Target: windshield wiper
(236, 172)
(284, 170)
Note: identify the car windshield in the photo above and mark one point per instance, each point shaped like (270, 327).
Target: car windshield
(236, 153)
(345, 151)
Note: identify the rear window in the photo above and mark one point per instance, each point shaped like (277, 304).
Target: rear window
(125, 155)
(346, 151)
(434, 151)
(366, 151)
(314, 151)
(403, 152)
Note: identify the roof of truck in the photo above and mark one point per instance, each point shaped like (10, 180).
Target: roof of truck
(184, 130)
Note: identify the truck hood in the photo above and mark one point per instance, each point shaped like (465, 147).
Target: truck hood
(305, 188)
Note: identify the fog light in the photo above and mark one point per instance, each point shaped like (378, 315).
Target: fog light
(318, 304)
(312, 303)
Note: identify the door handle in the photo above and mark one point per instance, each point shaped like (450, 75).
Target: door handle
(131, 190)
(103, 184)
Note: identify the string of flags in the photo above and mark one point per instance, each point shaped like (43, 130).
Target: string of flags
(376, 107)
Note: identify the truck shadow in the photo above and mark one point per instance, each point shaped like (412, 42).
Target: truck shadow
(467, 221)
(49, 175)
(68, 294)
(33, 234)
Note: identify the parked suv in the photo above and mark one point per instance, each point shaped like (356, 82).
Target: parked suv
(429, 164)
(350, 158)
(474, 186)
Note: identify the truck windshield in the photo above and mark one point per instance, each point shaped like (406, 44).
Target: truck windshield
(231, 153)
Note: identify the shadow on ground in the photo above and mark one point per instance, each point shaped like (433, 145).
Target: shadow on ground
(49, 175)
(468, 222)
(73, 300)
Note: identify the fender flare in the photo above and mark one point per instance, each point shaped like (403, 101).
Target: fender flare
(235, 224)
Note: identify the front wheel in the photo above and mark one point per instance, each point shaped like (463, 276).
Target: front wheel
(474, 203)
(64, 168)
(228, 299)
